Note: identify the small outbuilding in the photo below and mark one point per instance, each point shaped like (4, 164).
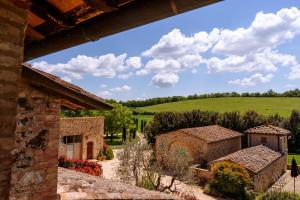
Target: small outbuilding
(270, 136)
(81, 137)
(264, 165)
(204, 144)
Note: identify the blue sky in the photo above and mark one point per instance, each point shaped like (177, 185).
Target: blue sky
(235, 45)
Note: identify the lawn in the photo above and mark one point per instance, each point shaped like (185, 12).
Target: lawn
(296, 156)
(117, 141)
(264, 105)
(148, 118)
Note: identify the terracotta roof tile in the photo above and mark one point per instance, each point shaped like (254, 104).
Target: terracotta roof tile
(268, 130)
(212, 133)
(254, 158)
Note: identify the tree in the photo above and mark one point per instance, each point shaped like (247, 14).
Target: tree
(294, 142)
(138, 165)
(116, 119)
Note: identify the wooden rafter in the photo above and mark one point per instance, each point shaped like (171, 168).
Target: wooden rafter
(33, 34)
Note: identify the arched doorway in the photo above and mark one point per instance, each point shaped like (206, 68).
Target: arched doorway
(89, 150)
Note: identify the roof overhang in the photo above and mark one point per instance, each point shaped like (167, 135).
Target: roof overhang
(131, 15)
(70, 98)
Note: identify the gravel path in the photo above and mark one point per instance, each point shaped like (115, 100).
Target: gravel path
(289, 186)
(109, 172)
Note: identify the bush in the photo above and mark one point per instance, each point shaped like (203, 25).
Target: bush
(84, 166)
(108, 152)
(278, 196)
(231, 180)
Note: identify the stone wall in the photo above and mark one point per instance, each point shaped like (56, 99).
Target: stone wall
(222, 148)
(255, 139)
(196, 147)
(269, 175)
(34, 172)
(199, 150)
(13, 24)
(91, 129)
(202, 175)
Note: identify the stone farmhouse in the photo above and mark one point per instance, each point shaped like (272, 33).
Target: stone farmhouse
(264, 165)
(270, 136)
(265, 159)
(81, 137)
(204, 144)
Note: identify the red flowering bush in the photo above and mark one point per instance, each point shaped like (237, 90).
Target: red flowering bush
(84, 166)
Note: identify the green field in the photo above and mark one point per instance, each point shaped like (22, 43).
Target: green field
(296, 156)
(264, 105)
(143, 117)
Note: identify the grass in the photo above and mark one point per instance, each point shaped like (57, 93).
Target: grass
(117, 141)
(148, 118)
(296, 156)
(264, 105)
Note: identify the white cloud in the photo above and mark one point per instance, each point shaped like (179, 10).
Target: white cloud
(134, 62)
(108, 65)
(105, 94)
(123, 88)
(125, 76)
(175, 44)
(252, 80)
(290, 86)
(294, 73)
(165, 79)
(268, 30)
(103, 86)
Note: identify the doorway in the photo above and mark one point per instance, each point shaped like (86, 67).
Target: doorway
(89, 150)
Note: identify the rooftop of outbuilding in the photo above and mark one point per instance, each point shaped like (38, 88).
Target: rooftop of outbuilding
(268, 130)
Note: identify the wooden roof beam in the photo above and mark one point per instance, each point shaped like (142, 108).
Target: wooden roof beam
(130, 15)
(50, 14)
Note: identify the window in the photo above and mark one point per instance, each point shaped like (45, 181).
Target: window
(263, 140)
(71, 139)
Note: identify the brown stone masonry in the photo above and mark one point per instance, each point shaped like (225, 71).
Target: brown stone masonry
(12, 28)
(34, 172)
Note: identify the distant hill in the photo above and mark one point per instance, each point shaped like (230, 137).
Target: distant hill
(264, 105)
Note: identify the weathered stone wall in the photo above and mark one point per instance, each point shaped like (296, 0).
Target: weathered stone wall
(199, 150)
(219, 149)
(255, 139)
(34, 172)
(91, 129)
(202, 175)
(196, 147)
(269, 175)
(12, 28)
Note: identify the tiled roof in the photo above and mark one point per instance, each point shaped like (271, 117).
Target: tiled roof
(268, 130)
(71, 87)
(212, 133)
(254, 158)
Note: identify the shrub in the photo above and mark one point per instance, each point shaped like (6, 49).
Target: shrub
(231, 180)
(278, 196)
(84, 166)
(109, 153)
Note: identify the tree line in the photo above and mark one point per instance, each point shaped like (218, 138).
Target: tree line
(168, 121)
(161, 100)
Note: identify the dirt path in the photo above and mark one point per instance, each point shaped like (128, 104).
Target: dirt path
(289, 186)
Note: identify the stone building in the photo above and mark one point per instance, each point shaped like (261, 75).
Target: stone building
(40, 100)
(81, 137)
(204, 144)
(31, 29)
(270, 136)
(264, 165)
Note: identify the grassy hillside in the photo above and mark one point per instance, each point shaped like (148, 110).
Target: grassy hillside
(263, 105)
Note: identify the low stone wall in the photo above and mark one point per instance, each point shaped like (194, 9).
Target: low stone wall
(203, 175)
